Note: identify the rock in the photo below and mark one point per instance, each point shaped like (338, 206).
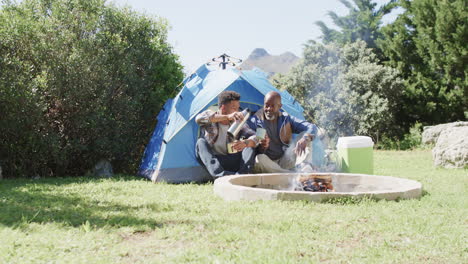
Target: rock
(103, 169)
(431, 133)
(1, 175)
(451, 149)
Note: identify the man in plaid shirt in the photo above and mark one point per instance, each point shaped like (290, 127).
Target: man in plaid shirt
(212, 150)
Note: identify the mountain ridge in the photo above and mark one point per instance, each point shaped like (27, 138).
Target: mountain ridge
(271, 64)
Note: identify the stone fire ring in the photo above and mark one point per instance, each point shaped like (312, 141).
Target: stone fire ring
(253, 187)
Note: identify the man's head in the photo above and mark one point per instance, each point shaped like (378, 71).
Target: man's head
(272, 105)
(228, 102)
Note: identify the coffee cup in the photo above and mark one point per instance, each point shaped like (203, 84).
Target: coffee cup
(260, 133)
(230, 149)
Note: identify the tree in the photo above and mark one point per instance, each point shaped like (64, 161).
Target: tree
(362, 23)
(345, 90)
(428, 45)
(79, 81)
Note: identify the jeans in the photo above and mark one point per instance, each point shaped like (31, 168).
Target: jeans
(222, 165)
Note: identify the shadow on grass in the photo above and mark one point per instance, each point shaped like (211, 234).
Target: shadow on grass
(26, 201)
(425, 193)
(59, 181)
(364, 199)
(349, 200)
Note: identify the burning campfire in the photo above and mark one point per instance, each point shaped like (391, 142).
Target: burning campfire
(314, 183)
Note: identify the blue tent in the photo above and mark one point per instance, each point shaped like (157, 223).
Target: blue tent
(170, 154)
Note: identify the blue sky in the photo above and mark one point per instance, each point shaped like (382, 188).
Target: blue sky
(203, 29)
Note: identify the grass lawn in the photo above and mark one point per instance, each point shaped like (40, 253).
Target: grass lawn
(130, 220)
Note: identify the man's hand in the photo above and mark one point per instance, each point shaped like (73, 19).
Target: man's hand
(235, 116)
(302, 144)
(265, 143)
(239, 145)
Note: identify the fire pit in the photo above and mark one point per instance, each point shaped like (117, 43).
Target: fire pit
(292, 186)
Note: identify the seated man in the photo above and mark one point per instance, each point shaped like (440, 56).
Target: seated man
(276, 155)
(211, 149)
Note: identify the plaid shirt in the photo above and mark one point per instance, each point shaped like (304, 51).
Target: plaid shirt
(210, 130)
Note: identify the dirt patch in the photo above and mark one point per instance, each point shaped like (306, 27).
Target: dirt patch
(431, 259)
(136, 236)
(139, 247)
(354, 242)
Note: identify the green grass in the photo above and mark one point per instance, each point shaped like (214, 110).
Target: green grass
(129, 220)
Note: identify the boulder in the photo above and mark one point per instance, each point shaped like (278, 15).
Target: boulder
(103, 169)
(431, 133)
(451, 149)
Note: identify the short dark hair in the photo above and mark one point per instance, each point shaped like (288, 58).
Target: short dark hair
(227, 96)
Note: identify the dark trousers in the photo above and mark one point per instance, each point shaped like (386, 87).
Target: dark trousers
(222, 165)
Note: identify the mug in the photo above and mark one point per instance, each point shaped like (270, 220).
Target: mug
(260, 133)
(230, 149)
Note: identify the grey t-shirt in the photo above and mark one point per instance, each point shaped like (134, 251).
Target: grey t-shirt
(275, 150)
(220, 146)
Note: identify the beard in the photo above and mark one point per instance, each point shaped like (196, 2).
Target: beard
(270, 116)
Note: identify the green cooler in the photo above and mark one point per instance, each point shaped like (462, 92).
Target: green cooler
(355, 154)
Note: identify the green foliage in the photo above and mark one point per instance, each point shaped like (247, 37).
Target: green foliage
(411, 140)
(345, 91)
(427, 44)
(361, 23)
(79, 81)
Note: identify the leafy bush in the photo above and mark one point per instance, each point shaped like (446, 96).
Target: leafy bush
(79, 81)
(345, 91)
(411, 140)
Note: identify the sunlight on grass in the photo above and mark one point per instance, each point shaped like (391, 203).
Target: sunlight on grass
(130, 220)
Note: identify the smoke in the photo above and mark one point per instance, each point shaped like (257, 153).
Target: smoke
(346, 90)
(294, 184)
(343, 91)
(316, 157)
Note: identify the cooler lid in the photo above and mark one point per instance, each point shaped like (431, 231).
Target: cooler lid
(354, 142)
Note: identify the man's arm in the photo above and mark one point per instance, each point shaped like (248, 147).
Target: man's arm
(220, 118)
(209, 116)
(204, 117)
(299, 126)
